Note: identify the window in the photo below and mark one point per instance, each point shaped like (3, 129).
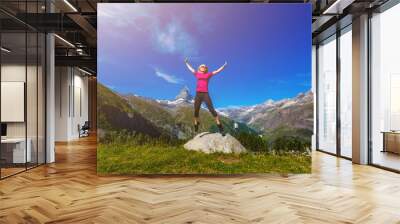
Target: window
(385, 89)
(346, 92)
(22, 87)
(327, 95)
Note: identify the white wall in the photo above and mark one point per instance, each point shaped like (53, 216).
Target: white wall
(71, 102)
(80, 111)
(16, 73)
(62, 82)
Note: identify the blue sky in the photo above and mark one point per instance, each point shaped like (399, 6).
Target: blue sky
(141, 49)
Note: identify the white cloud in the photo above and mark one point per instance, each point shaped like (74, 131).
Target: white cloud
(171, 38)
(174, 39)
(122, 15)
(168, 78)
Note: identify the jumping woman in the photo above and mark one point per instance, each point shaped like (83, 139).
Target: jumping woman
(203, 76)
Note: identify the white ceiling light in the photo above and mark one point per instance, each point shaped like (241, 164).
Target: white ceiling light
(5, 50)
(338, 6)
(84, 71)
(70, 5)
(79, 51)
(65, 41)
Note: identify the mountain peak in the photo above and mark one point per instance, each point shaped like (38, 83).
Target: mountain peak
(300, 95)
(269, 102)
(305, 97)
(184, 94)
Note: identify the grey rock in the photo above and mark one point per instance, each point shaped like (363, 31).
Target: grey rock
(214, 142)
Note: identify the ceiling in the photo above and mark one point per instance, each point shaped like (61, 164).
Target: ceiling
(75, 22)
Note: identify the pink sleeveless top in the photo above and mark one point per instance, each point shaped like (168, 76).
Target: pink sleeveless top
(202, 81)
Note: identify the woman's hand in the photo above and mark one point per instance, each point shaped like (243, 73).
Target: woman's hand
(191, 69)
(220, 69)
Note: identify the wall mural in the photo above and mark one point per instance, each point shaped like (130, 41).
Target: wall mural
(204, 88)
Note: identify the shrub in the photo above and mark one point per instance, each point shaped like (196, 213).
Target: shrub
(134, 138)
(252, 142)
(290, 143)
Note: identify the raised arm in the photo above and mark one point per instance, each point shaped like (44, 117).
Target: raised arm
(189, 66)
(220, 68)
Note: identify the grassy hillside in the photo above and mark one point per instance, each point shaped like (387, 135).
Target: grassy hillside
(158, 115)
(154, 159)
(114, 113)
(151, 109)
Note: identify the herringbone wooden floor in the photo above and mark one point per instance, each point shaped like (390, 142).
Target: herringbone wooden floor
(69, 191)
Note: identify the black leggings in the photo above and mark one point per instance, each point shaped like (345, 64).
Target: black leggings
(203, 97)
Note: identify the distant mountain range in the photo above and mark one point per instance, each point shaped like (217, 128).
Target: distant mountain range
(168, 117)
(294, 112)
(157, 117)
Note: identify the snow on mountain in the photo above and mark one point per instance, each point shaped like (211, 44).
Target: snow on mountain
(293, 112)
(184, 94)
(184, 98)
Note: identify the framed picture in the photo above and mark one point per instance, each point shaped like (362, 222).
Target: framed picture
(210, 88)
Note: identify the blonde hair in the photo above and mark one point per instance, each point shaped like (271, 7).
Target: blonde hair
(203, 65)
